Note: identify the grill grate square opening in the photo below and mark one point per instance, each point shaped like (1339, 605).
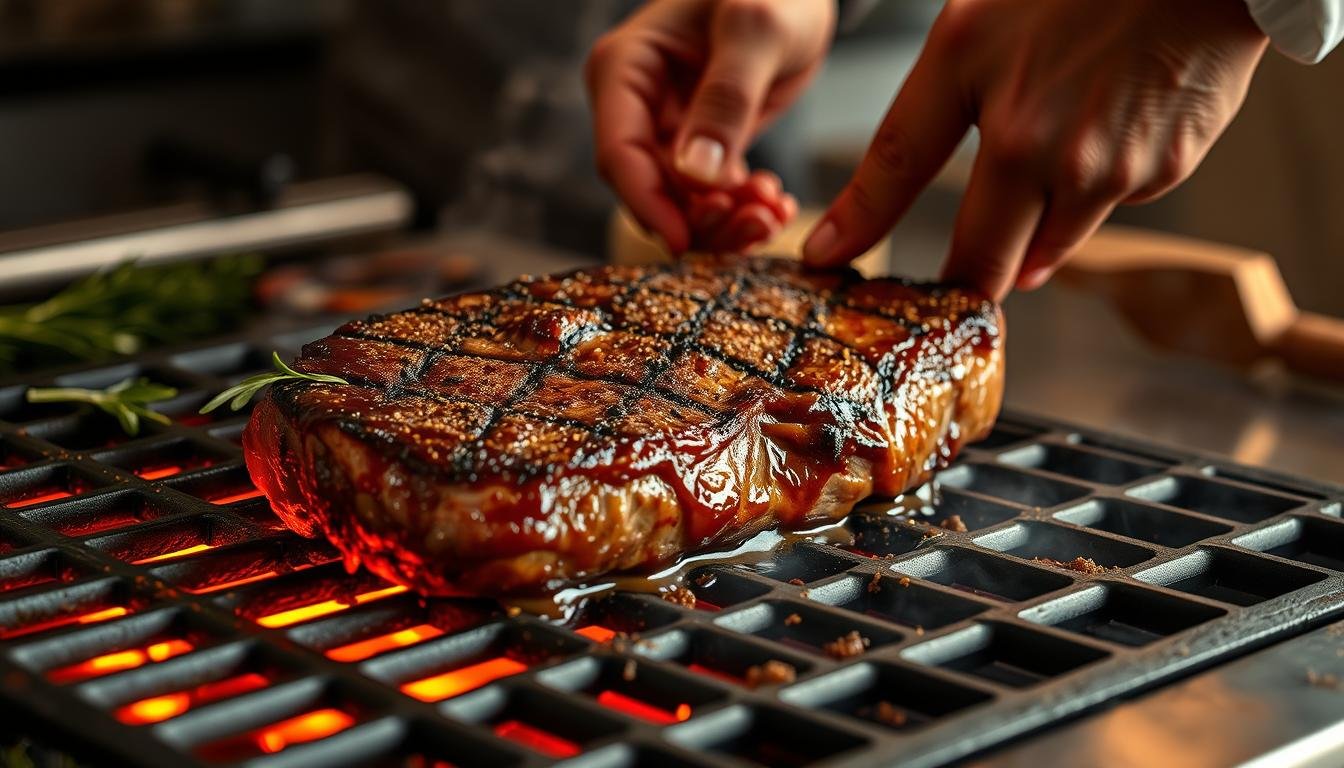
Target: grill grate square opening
(894, 697)
(380, 627)
(1230, 577)
(81, 603)
(1140, 521)
(1124, 614)
(1010, 485)
(807, 628)
(641, 691)
(718, 587)
(232, 571)
(44, 484)
(1005, 654)
(308, 726)
(453, 665)
(150, 545)
(803, 562)
(99, 514)
(1211, 497)
(765, 736)
(310, 597)
(31, 569)
(1312, 540)
(90, 430)
(163, 691)
(983, 575)
(1040, 541)
(1247, 479)
(233, 362)
(163, 459)
(625, 614)
(540, 721)
(912, 604)
(721, 657)
(1081, 464)
(222, 486)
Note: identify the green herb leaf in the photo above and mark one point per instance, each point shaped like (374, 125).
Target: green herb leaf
(122, 310)
(126, 401)
(240, 394)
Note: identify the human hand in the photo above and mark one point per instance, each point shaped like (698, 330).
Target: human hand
(1081, 104)
(680, 90)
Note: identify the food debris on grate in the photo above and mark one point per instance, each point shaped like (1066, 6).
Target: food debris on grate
(1080, 564)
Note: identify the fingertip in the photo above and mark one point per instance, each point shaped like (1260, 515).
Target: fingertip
(1032, 278)
(819, 250)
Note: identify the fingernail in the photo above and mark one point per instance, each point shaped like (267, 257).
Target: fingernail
(701, 158)
(820, 243)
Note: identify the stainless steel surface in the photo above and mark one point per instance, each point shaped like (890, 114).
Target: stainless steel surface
(1259, 711)
(306, 212)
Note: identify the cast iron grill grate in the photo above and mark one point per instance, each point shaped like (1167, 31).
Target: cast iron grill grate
(155, 611)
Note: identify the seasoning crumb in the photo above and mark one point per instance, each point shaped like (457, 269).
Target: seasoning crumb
(772, 672)
(905, 581)
(847, 646)
(805, 593)
(678, 595)
(919, 630)
(875, 585)
(792, 619)
(1183, 650)
(888, 714)
(797, 582)
(953, 523)
(513, 611)
(1084, 565)
(705, 579)
(629, 670)
(1327, 680)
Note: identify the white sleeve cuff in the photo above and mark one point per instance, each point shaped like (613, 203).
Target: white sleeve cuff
(1305, 30)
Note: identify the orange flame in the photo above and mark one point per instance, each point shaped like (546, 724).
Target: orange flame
(158, 473)
(223, 585)
(234, 497)
(596, 632)
(642, 710)
(373, 646)
(119, 661)
(160, 708)
(544, 742)
(324, 608)
(40, 497)
(87, 618)
(176, 553)
(459, 681)
(318, 724)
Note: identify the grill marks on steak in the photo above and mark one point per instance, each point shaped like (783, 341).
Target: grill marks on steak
(565, 426)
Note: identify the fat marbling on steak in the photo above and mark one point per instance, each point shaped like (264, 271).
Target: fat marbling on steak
(615, 418)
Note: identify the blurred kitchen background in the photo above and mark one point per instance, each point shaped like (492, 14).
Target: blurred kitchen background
(447, 144)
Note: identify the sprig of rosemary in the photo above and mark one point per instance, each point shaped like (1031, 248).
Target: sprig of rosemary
(121, 310)
(241, 394)
(126, 401)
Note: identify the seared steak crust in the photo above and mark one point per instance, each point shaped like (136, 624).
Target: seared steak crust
(615, 418)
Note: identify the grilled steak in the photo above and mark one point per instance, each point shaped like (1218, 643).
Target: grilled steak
(563, 427)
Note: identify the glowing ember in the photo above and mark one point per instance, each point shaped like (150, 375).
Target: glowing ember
(176, 553)
(42, 496)
(158, 473)
(544, 742)
(318, 724)
(223, 585)
(92, 617)
(376, 645)
(631, 706)
(459, 681)
(160, 708)
(234, 498)
(119, 661)
(324, 608)
(596, 633)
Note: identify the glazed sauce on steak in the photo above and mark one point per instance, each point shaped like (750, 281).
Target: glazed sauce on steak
(563, 427)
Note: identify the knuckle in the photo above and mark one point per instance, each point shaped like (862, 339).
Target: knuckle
(722, 100)
(752, 19)
(1122, 176)
(606, 162)
(600, 56)
(956, 26)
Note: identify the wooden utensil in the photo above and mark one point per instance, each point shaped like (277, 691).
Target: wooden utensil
(1207, 299)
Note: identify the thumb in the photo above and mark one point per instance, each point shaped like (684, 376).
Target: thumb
(725, 108)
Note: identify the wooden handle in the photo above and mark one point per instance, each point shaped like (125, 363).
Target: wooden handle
(1206, 299)
(1314, 345)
